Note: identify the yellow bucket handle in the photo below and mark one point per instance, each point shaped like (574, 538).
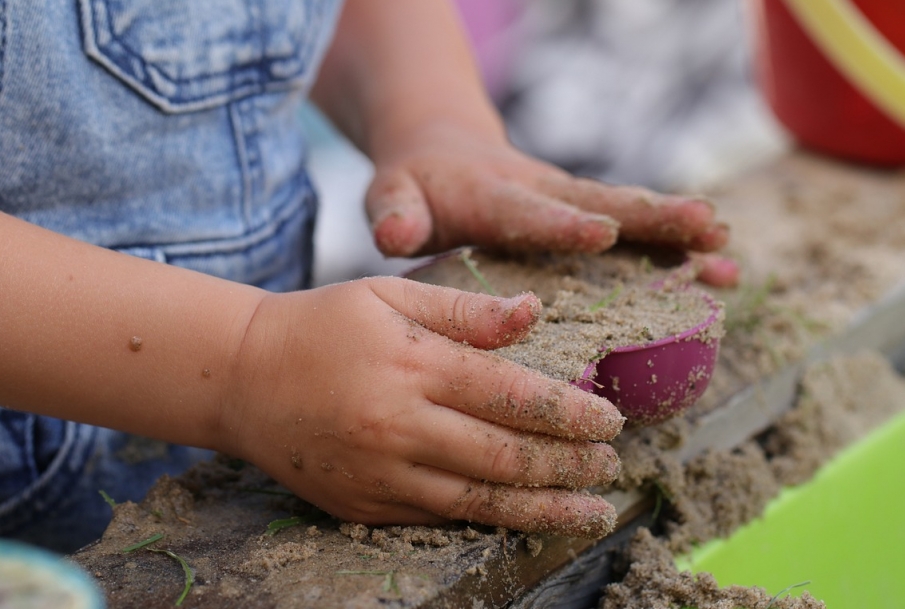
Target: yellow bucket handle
(857, 49)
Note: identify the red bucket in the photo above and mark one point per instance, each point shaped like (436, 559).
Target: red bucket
(819, 97)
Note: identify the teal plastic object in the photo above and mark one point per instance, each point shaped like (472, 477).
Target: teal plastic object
(31, 578)
(844, 532)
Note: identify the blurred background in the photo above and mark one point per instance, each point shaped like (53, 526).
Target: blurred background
(652, 92)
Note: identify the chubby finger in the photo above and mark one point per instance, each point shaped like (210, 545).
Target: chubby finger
(533, 510)
(521, 219)
(644, 215)
(450, 440)
(711, 239)
(486, 322)
(494, 389)
(400, 217)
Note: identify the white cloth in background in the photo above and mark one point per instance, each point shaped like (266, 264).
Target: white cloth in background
(653, 92)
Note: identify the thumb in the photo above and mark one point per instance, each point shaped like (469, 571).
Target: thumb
(486, 322)
(400, 216)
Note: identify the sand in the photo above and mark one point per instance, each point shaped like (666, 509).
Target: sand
(315, 562)
(592, 304)
(818, 242)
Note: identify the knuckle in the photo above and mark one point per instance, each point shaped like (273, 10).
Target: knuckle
(473, 507)
(503, 461)
(387, 433)
(524, 404)
(461, 312)
(581, 466)
(516, 386)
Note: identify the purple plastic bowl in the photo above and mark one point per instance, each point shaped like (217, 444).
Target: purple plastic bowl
(653, 382)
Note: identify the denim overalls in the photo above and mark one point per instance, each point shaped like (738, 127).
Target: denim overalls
(166, 129)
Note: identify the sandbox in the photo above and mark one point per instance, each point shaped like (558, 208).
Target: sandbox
(823, 249)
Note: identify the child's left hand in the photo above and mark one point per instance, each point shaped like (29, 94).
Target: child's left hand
(400, 82)
(444, 186)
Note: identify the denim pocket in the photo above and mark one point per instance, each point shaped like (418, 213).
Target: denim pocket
(185, 55)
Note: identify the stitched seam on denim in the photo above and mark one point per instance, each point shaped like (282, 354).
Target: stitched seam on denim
(274, 230)
(211, 248)
(11, 504)
(242, 157)
(21, 509)
(247, 127)
(2, 39)
(319, 16)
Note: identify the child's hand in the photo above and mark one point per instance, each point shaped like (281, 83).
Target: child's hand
(444, 186)
(400, 82)
(365, 399)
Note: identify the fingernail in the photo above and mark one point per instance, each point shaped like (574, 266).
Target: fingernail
(600, 420)
(611, 467)
(394, 235)
(513, 303)
(695, 199)
(385, 215)
(598, 521)
(597, 233)
(518, 319)
(605, 221)
(590, 517)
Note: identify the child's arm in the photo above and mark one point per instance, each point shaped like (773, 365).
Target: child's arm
(360, 397)
(99, 337)
(400, 81)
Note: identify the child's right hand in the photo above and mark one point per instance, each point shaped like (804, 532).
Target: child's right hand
(363, 397)
(376, 401)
